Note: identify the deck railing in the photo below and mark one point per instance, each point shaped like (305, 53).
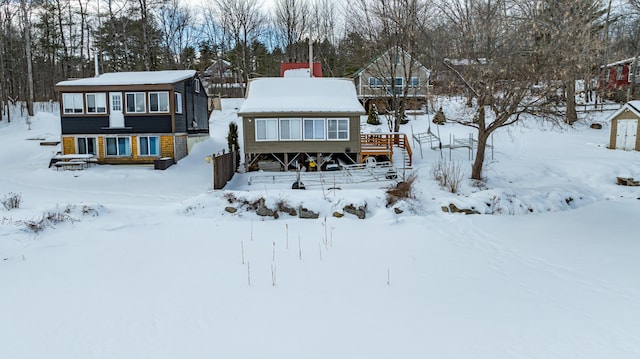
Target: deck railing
(382, 144)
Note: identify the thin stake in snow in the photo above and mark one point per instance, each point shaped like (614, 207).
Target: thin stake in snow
(242, 250)
(287, 235)
(251, 234)
(248, 274)
(273, 275)
(299, 248)
(273, 259)
(388, 277)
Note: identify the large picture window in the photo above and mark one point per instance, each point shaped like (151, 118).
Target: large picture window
(135, 102)
(338, 128)
(314, 129)
(96, 103)
(267, 129)
(149, 145)
(158, 102)
(118, 146)
(87, 145)
(290, 129)
(72, 102)
(414, 82)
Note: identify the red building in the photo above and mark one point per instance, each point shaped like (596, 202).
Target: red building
(615, 79)
(317, 68)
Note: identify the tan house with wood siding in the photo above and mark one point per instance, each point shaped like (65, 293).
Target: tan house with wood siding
(291, 123)
(390, 76)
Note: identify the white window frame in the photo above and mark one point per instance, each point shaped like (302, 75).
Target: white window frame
(117, 138)
(619, 72)
(196, 85)
(291, 124)
(86, 139)
(158, 94)
(149, 154)
(269, 124)
(97, 103)
(135, 98)
(178, 102)
(73, 98)
(315, 133)
(375, 82)
(338, 131)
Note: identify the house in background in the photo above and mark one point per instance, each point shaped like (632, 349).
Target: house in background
(615, 79)
(133, 117)
(221, 80)
(291, 122)
(391, 74)
(625, 132)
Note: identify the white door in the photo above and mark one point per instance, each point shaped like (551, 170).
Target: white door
(627, 135)
(116, 117)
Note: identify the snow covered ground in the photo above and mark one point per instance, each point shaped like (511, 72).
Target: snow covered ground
(147, 264)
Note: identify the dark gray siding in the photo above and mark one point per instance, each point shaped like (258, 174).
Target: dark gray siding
(100, 124)
(196, 108)
(181, 118)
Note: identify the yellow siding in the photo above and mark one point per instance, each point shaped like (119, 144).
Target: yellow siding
(101, 149)
(166, 146)
(68, 145)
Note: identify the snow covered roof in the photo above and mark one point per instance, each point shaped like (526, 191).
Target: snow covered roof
(296, 73)
(634, 106)
(132, 78)
(301, 95)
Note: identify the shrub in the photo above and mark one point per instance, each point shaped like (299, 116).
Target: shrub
(374, 116)
(12, 201)
(448, 174)
(402, 190)
(439, 118)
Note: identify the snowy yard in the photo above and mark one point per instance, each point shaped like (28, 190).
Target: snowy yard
(147, 264)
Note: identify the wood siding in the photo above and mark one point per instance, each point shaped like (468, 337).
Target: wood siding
(100, 124)
(251, 146)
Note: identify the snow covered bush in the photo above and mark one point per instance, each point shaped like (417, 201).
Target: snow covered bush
(439, 118)
(12, 201)
(448, 174)
(374, 116)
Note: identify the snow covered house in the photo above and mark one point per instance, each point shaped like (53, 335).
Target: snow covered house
(391, 74)
(133, 117)
(625, 132)
(291, 122)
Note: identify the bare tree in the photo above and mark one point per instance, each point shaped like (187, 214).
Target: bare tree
(291, 18)
(26, 24)
(243, 21)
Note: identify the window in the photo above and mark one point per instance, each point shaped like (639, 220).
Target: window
(196, 85)
(620, 72)
(267, 129)
(136, 102)
(86, 145)
(116, 101)
(149, 145)
(414, 82)
(96, 103)
(375, 82)
(290, 128)
(158, 102)
(337, 128)
(118, 146)
(314, 128)
(72, 102)
(178, 102)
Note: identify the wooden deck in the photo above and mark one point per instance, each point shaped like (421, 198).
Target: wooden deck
(382, 144)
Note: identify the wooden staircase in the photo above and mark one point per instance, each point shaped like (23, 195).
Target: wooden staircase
(383, 144)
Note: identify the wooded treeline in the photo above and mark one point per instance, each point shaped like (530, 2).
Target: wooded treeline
(46, 41)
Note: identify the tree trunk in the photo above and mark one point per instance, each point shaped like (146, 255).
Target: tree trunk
(483, 135)
(572, 115)
(27, 47)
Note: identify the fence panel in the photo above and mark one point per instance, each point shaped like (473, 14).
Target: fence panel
(224, 166)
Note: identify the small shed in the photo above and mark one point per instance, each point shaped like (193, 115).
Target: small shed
(625, 133)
